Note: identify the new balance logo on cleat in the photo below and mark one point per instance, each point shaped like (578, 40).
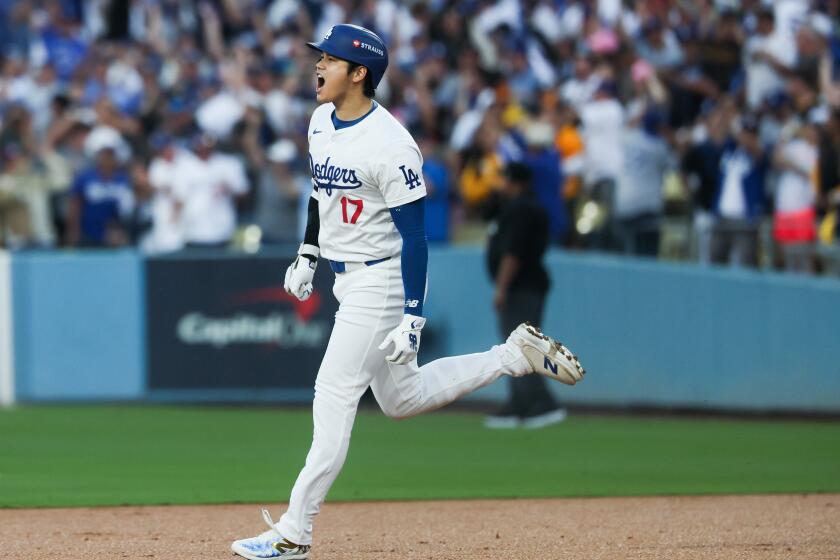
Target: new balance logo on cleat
(546, 356)
(286, 545)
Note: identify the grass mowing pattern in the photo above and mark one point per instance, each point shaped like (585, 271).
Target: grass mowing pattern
(108, 455)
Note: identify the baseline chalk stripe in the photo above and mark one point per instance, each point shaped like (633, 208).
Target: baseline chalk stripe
(7, 358)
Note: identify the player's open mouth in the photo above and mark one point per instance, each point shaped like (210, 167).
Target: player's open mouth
(319, 82)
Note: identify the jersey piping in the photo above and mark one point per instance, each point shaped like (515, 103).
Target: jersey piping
(339, 124)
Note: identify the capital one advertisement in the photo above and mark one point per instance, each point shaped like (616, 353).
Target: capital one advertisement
(227, 323)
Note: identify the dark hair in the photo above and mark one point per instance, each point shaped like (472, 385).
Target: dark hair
(767, 14)
(368, 88)
(519, 173)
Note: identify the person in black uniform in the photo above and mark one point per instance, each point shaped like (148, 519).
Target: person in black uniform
(514, 259)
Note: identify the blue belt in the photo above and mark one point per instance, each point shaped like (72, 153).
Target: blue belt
(340, 266)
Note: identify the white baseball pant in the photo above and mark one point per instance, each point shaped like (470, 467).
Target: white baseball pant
(371, 303)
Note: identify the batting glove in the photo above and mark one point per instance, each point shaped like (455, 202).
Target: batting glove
(299, 275)
(406, 339)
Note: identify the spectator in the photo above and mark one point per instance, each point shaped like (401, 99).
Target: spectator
(62, 40)
(602, 125)
(580, 87)
(15, 226)
(830, 179)
(167, 233)
(602, 122)
(18, 129)
(207, 183)
(482, 169)
(659, 46)
(811, 48)
(438, 191)
(15, 28)
(280, 190)
(720, 50)
(569, 144)
(102, 200)
(768, 58)
(175, 111)
(522, 79)
(514, 259)
(701, 168)
(739, 200)
(26, 184)
(638, 198)
(794, 217)
(829, 163)
(544, 163)
(689, 86)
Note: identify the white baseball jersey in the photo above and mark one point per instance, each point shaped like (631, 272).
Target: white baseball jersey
(206, 189)
(358, 173)
(166, 233)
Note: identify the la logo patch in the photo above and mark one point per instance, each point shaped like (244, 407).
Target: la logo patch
(411, 178)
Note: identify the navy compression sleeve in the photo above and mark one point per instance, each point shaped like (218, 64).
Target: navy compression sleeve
(313, 223)
(410, 221)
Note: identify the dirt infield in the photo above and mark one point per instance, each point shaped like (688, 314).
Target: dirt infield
(722, 527)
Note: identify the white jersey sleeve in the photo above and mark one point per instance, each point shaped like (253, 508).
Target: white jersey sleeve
(400, 175)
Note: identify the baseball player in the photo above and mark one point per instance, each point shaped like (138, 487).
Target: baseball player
(366, 221)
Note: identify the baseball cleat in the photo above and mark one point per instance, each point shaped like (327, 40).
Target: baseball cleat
(270, 544)
(504, 419)
(544, 419)
(547, 356)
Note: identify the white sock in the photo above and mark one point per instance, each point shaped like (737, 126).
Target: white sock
(514, 362)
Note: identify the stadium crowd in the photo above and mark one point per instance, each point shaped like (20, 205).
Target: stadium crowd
(703, 129)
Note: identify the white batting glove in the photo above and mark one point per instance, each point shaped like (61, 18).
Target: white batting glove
(406, 339)
(299, 275)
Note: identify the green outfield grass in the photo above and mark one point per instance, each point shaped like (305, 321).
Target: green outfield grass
(103, 455)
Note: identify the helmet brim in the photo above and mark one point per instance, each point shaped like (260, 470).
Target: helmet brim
(319, 47)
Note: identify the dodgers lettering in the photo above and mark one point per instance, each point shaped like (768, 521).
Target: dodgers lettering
(329, 177)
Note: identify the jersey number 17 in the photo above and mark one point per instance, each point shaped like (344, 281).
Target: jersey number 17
(358, 203)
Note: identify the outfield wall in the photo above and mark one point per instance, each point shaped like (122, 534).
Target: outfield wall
(78, 326)
(649, 333)
(659, 334)
(7, 356)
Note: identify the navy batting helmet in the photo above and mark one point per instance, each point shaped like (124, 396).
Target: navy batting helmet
(358, 45)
